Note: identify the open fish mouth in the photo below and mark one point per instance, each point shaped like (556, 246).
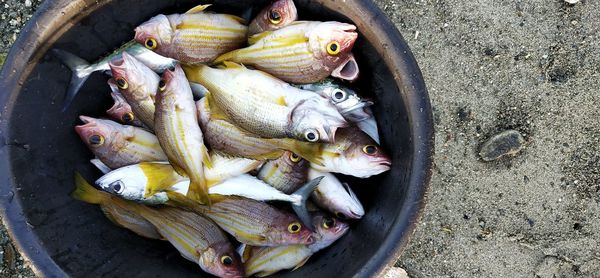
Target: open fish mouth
(348, 70)
(87, 122)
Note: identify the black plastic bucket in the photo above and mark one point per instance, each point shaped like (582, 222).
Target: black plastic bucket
(40, 150)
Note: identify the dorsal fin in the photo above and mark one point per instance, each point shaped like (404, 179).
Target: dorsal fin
(198, 9)
(256, 37)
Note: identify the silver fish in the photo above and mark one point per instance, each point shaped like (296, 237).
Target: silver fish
(336, 197)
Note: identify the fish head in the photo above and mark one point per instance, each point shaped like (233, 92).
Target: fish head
(327, 230)
(316, 120)
(221, 260)
(356, 154)
(120, 111)
(288, 230)
(345, 99)
(174, 80)
(338, 197)
(134, 79)
(155, 34)
(292, 162)
(128, 182)
(280, 13)
(332, 42)
(98, 134)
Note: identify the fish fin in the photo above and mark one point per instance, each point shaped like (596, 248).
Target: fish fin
(309, 151)
(100, 165)
(85, 192)
(177, 199)
(288, 40)
(160, 176)
(232, 65)
(198, 9)
(236, 18)
(281, 101)
(369, 126)
(257, 37)
(229, 56)
(199, 191)
(110, 216)
(244, 250)
(81, 70)
(300, 264)
(304, 192)
(206, 157)
(265, 273)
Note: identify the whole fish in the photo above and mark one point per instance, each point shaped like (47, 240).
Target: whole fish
(275, 16)
(263, 261)
(302, 52)
(194, 37)
(266, 106)
(82, 69)
(118, 145)
(354, 153)
(195, 237)
(349, 104)
(286, 173)
(138, 84)
(177, 129)
(121, 110)
(114, 208)
(336, 197)
(222, 135)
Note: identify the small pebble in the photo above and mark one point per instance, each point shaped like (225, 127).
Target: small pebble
(27, 3)
(572, 1)
(10, 257)
(508, 142)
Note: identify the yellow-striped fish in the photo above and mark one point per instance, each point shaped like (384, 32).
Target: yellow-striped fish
(222, 135)
(302, 52)
(263, 261)
(195, 237)
(138, 84)
(267, 106)
(121, 110)
(117, 145)
(194, 37)
(286, 173)
(275, 16)
(178, 132)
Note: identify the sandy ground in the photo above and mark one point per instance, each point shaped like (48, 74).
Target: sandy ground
(532, 66)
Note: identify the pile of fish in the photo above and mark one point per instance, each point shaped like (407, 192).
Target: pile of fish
(225, 130)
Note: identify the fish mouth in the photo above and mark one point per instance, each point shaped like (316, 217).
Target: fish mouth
(348, 70)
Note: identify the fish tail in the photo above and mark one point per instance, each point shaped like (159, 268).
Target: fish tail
(85, 192)
(308, 151)
(304, 192)
(198, 191)
(81, 71)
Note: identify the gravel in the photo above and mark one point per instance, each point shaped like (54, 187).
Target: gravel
(530, 66)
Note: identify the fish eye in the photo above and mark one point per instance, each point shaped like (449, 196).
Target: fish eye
(328, 222)
(339, 95)
(162, 85)
(150, 43)
(294, 157)
(128, 117)
(116, 187)
(226, 260)
(96, 140)
(122, 83)
(274, 17)
(333, 48)
(340, 215)
(172, 68)
(369, 149)
(311, 136)
(294, 227)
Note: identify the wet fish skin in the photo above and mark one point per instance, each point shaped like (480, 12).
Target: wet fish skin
(194, 37)
(266, 106)
(81, 69)
(287, 173)
(138, 84)
(222, 135)
(118, 145)
(301, 52)
(273, 17)
(337, 198)
(265, 261)
(121, 110)
(178, 132)
(354, 153)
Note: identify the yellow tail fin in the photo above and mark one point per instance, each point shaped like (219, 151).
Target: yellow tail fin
(309, 151)
(229, 56)
(198, 191)
(85, 192)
